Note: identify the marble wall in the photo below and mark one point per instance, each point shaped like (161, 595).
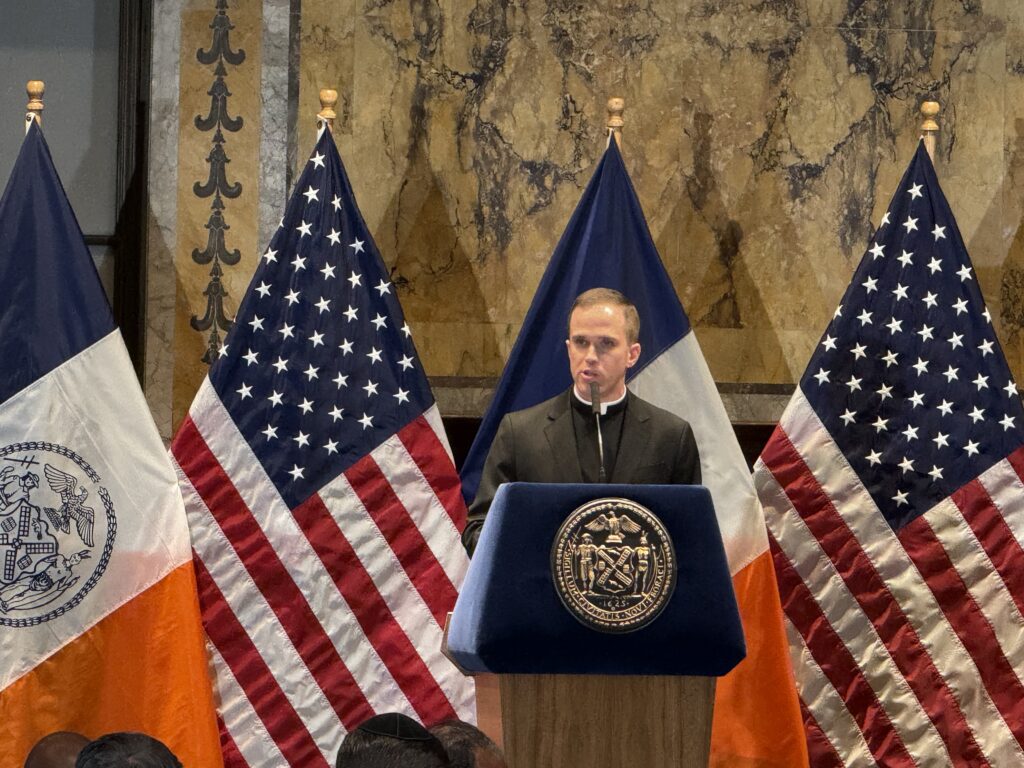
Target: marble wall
(763, 137)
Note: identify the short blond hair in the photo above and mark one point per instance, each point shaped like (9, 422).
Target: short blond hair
(609, 297)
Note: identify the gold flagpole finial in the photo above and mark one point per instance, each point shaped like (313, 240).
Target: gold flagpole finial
(326, 115)
(616, 106)
(34, 89)
(929, 126)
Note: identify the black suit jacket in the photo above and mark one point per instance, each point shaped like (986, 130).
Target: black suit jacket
(538, 445)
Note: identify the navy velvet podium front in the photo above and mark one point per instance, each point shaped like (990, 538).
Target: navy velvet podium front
(509, 619)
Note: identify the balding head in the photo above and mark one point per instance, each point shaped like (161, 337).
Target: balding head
(58, 750)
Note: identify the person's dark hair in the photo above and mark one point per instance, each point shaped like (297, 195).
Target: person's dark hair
(126, 750)
(598, 296)
(57, 750)
(391, 741)
(464, 743)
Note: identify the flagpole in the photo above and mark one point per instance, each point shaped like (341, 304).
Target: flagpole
(929, 127)
(616, 106)
(326, 115)
(34, 89)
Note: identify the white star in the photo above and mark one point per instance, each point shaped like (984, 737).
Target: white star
(323, 304)
(345, 347)
(859, 351)
(874, 458)
(936, 473)
(864, 317)
(921, 366)
(838, 312)
(406, 363)
(405, 330)
(930, 299)
(311, 194)
(263, 289)
(914, 192)
(976, 415)
(910, 224)
(890, 358)
(939, 233)
(383, 287)
(256, 323)
(925, 333)
(331, 446)
(379, 321)
(336, 202)
(1010, 389)
(828, 342)
(880, 423)
(292, 297)
(303, 228)
(956, 340)
(1007, 422)
(250, 357)
(317, 338)
(341, 380)
(934, 265)
(981, 382)
(951, 374)
(335, 413)
(885, 220)
(370, 388)
(245, 390)
(900, 498)
(971, 448)
(306, 406)
(945, 408)
(894, 326)
(900, 292)
(402, 395)
(910, 433)
(374, 355)
(317, 160)
(354, 278)
(960, 306)
(986, 315)
(877, 251)
(270, 255)
(848, 417)
(906, 465)
(906, 259)
(311, 372)
(281, 364)
(941, 440)
(270, 432)
(223, 351)
(351, 313)
(286, 331)
(275, 399)
(327, 271)
(295, 472)
(871, 284)
(964, 273)
(916, 399)
(357, 245)
(985, 347)
(334, 236)
(298, 262)
(885, 391)
(366, 421)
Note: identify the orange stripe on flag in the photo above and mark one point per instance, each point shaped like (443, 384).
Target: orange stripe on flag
(757, 714)
(149, 659)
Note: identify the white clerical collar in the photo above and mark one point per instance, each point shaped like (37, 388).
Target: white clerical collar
(604, 405)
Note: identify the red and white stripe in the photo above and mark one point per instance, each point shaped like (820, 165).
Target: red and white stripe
(906, 645)
(323, 615)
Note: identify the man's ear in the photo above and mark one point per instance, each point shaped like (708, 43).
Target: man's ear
(634, 354)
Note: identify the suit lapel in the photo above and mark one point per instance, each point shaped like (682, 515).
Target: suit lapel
(562, 441)
(633, 443)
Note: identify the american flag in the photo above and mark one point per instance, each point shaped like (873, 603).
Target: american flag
(895, 503)
(324, 505)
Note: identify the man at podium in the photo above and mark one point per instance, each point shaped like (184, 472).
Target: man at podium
(564, 439)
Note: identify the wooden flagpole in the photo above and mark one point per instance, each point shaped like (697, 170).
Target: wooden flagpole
(34, 89)
(326, 115)
(616, 106)
(929, 126)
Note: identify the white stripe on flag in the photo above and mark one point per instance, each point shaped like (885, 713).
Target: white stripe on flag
(433, 417)
(1007, 492)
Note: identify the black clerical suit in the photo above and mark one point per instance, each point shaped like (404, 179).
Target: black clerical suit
(552, 443)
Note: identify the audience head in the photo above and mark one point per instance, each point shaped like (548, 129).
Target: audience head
(391, 741)
(126, 750)
(467, 746)
(58, 750)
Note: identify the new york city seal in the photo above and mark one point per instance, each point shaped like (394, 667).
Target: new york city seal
(614, 565)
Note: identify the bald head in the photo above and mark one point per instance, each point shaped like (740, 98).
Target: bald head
(58, 750)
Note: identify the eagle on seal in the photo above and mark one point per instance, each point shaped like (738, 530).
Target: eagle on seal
(72, 504)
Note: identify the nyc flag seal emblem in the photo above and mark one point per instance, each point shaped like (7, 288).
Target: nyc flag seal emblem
(614, 565)
(57, 529)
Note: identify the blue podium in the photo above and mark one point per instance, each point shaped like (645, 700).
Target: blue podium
(574, 694)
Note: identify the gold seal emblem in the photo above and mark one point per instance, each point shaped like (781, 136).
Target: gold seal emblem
(614, 565)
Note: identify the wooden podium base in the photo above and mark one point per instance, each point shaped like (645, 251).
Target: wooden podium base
(598, 721)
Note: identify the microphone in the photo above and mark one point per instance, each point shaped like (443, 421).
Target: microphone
(595, 408)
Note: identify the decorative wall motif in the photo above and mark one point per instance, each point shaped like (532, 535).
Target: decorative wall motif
(215, 321)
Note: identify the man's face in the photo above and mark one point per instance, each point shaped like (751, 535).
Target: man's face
(599, 350)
